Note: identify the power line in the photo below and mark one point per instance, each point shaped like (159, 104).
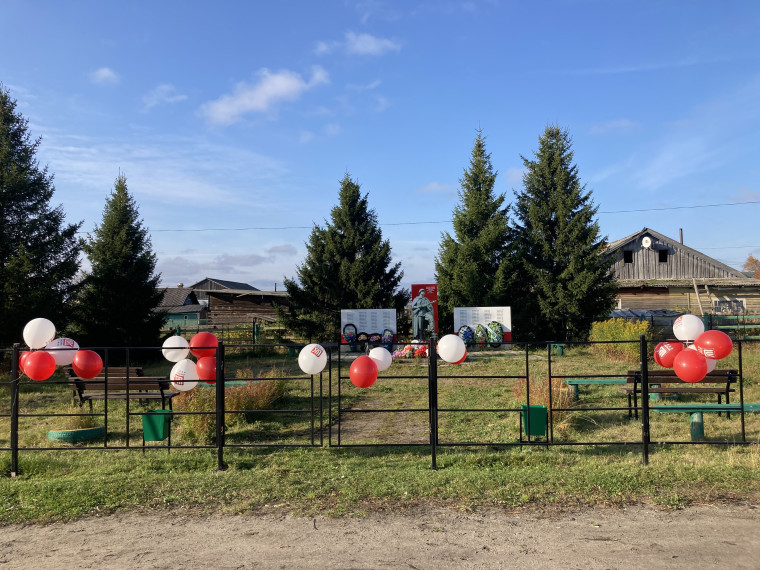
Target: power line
(419, 223)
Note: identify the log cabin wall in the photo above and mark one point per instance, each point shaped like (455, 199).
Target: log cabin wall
(228, 308)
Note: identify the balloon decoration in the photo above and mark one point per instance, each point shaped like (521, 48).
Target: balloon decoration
(203, 344)
(714, 344)
(21, 359)
(38, 332)
(87, 364)
(39, 365)
(657, 353)
(312, 359)
(690, 366)
(711, 364)
(451, 348)
(688, 327)
(184, 375)
(462, 359)
(363, 372)
(62, 350)
(175, 348)
(206, 369)
(667, 351)
(383, 359)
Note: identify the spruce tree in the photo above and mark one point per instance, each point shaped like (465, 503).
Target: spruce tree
(118, 299)
(560, 245)
(347, 266)
(475, 266)
(38, 251)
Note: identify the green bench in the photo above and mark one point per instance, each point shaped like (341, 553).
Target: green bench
(575, 382)
(696, 411)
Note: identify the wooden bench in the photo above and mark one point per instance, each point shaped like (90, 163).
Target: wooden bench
(575, 382)
(717, 382)
(121, 383)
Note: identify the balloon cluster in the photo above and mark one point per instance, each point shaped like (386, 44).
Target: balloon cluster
(185, 373)
(693, 362)
(46, 352)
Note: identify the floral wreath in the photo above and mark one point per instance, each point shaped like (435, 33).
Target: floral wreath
(495, 334)
(466, 334)
(481, 335)
(349, 333)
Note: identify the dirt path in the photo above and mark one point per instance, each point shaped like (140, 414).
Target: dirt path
(640, 537)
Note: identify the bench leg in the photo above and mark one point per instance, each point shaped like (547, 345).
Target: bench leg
(697, 426)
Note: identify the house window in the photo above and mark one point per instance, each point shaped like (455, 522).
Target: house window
(628, 256)
(663, 255)
(730, 306)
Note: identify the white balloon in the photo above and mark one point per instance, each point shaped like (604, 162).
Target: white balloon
(184, 375)
(38, 332)
(382, 358)
(711, 364)
(312, 359)
(688, 327)
(65, 349)
(451, 348)
(175, 348)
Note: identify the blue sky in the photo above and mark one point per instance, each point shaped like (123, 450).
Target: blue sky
(235, 121)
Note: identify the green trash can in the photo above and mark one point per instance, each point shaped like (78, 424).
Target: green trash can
(156, 425)
(538, 417)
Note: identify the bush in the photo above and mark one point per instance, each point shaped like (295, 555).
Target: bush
(611, 332)
(200, 428)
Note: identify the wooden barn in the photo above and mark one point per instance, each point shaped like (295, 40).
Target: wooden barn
(232, 302)
(182, 307)
(657, 272)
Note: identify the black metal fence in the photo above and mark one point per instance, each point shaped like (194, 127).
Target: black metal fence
(323, 405)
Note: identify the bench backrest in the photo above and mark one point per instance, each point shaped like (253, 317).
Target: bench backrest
(117, 380)
(669, 377)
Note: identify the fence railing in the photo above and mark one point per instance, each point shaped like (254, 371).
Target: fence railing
(432, 404)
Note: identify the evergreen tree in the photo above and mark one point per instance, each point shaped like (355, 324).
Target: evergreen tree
(475, 266)
(117, 301)
(347, 266)
(38, 251)
(560, 245)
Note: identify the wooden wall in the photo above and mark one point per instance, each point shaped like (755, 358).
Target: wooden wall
(225, 308)
(685, 299)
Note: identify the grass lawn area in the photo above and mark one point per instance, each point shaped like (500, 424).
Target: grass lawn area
(86, 480)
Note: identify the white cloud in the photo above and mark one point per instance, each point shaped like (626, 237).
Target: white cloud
(368, 87)
(333, 129)
(381, 104)
(514, 176)
(359, 44)
(617, 126)
(164, 93)
(305, 137)
(270, 89)
(435, 188)
(104, 76)
(365, 44)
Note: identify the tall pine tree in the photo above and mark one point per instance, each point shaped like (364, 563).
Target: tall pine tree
(560, 244)
(347, 266)
(475, 266)
(117, 301)
(38, 251)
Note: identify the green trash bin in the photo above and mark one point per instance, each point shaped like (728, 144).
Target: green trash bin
(538, 417)
(156, 425)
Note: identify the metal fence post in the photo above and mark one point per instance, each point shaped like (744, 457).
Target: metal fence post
(433, 400)
(220, 407)
(14, 411)
(645, 436)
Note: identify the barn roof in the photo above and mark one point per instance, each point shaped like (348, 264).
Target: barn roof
(658, 237)
(210, 283)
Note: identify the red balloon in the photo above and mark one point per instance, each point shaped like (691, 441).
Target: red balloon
(363, 372)
(87, 364)
(657, 353)
(690, 366)
(461, 359)
(206, 368)
(667, 352)
(37, 366)
(21, 359)
(203, 344)
(714, 344)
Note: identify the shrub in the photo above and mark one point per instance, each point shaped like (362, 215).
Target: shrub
(611, 332)
(200, 428)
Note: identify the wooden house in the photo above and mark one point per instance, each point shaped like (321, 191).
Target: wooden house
(182, 307)
(657, 272)
(234, 302)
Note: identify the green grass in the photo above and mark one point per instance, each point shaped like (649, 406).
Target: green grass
(65, 485)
